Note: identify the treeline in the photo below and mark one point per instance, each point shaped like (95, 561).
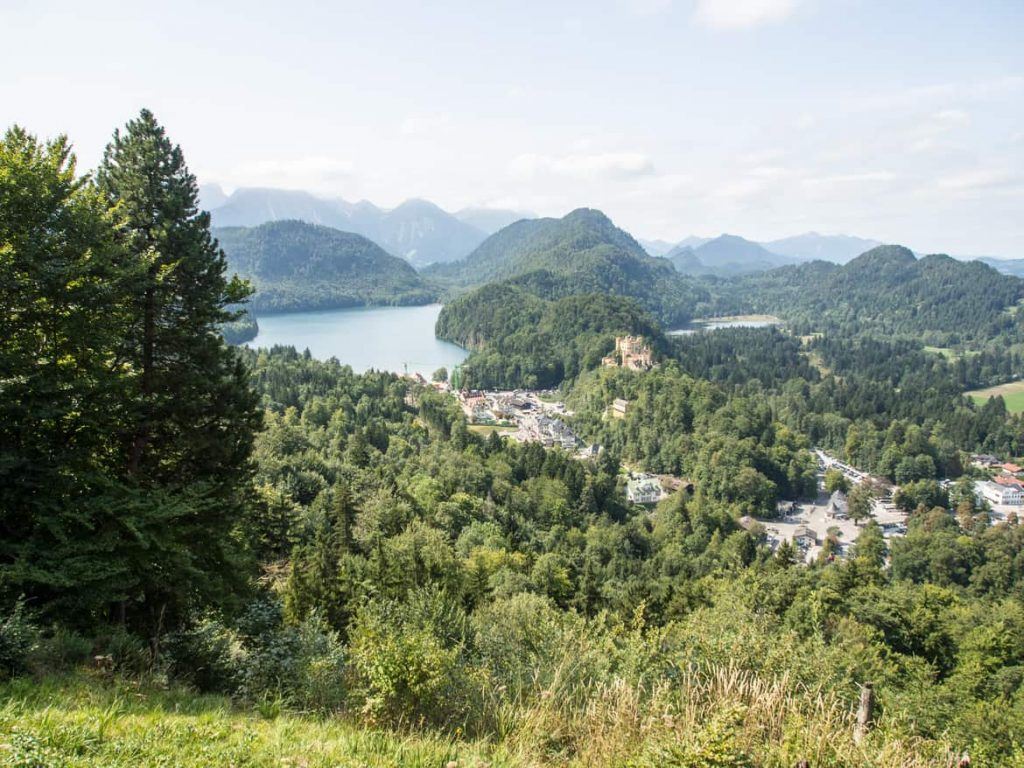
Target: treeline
(125, 421)
(884, 292)
(521, 340)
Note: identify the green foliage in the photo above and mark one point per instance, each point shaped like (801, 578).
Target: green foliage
(294, 266)
(18, 638)
(885, 292)
(521, 340)
(582, 253)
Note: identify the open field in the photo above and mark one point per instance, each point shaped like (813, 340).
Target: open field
(1012, 393)
(487, 429)
(83, 721)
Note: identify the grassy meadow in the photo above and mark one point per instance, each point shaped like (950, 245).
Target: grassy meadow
(1012, 394)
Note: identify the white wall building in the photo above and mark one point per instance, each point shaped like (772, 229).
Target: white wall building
(999, 494)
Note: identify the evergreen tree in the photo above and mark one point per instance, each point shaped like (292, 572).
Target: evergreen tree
(62, 306)
(191, 414)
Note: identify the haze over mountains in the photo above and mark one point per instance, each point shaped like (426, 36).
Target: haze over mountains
(417, 230)
(423, 234)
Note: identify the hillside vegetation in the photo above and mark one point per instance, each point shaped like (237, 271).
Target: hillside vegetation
(296, 266)
(885, 291)
(580, 253)
(520, 339)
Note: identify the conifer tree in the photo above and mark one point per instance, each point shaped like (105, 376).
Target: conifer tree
(62, 309)
(192, 415)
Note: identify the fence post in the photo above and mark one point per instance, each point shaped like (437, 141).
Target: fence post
(865, 712)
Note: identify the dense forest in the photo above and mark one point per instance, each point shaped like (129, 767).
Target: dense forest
(886, 291)
(523, 340)
(291, 539)
(581, 253)
(293, 265)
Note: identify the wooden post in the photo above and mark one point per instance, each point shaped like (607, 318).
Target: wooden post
(865, 712)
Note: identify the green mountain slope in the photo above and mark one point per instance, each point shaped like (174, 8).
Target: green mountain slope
(885, 291)
(583, 252)
(296, 266)
(522, 340)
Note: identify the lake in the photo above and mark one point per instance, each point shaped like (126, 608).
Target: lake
(384, 338)
(714, 323)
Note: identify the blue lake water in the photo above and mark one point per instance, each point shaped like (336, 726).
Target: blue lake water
(711, 325)
(395, 339)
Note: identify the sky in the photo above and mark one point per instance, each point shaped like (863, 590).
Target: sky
(897, 120)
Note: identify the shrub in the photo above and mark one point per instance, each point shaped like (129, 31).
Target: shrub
(62, 649)
(407, 660)
(304, 665)
(18, 638)
(208, 655)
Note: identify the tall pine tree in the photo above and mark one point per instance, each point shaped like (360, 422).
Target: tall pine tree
(192, 414)
(63, 306)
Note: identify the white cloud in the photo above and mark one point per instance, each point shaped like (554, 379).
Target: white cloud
(596, 165)
(739, 14)
(646, 7)
(417, 125)
(980, 179)
(315, 173)
(864, 177)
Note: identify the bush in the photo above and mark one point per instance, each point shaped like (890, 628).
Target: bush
(208, 655)
(62, 649)
(18, 638)
(128, 653)
(303, 665)
(407, 660)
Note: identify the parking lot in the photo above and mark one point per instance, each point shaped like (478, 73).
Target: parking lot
(815, 516)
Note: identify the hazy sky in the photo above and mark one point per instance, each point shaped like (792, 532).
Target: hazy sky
(897, 119)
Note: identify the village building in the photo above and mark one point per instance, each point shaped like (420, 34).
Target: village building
(619, 408)
(985, 461)
(838, 506)
(1009, 481)
(804, 537)
(644, 489)
(1012, 468)
(999, 494)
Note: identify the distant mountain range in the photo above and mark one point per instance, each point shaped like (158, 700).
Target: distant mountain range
(729, 255)
(725, 256)
(417, 230)
(295, 265)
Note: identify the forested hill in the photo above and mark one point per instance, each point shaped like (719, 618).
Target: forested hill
(885, 291)
(520, 339)
(583, 252)
(295, 265)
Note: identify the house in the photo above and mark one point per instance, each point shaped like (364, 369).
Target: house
(1012, 469)
(984, 460)
(643, 489)
(999, 494)
(1009, 481)
(804, 537)
(838, 506)
(619, 408)
(785, 508)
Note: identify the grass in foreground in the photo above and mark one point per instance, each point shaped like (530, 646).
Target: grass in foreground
(82, 720)
(1012, 393)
